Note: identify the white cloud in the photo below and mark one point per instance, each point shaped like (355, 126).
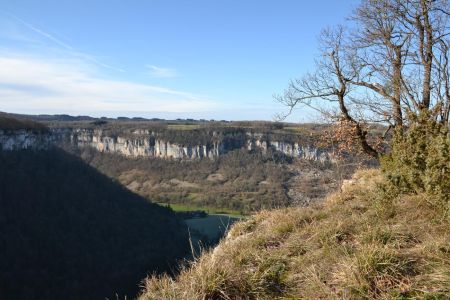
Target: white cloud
(15, 28)
(162, 72)
(41, 73)
(71, 86)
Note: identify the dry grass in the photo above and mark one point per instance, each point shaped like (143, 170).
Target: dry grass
(346, 248)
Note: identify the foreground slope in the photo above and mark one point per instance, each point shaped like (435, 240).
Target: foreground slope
(69, 232)
(353, 246)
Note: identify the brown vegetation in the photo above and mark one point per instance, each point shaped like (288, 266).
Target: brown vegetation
(353, 246)
(241, 181)
(8, 123)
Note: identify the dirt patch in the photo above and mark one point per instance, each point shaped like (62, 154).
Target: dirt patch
(134, 186)
(182, 183)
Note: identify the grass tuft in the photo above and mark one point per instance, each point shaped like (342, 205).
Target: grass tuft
(356, 245)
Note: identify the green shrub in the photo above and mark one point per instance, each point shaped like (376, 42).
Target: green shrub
(419, 161)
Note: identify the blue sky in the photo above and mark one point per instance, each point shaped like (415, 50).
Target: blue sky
(171, 59)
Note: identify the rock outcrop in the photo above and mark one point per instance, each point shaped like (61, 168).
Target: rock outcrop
(139, 144)
(150, 144)
(145, 143)
(24, 139)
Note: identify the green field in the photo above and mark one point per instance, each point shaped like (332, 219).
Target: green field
(222, 211)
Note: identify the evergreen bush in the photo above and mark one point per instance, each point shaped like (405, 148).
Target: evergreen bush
(419, 161)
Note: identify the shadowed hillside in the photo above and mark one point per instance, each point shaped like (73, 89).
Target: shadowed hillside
(69, 232)
(8, 123)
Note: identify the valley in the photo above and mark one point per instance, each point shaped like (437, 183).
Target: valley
(225, 150)
(83, 182)
(236, 167)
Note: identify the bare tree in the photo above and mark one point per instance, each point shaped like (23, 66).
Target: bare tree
(331, 83)
(380, 47)
(393, 63)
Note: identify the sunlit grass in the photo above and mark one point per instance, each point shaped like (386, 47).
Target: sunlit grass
(345, 248)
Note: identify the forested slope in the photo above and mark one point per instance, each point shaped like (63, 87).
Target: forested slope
(69, 232)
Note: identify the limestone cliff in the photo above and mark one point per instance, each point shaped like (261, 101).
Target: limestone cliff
(146, 143)
(24, 139)
(141, 143)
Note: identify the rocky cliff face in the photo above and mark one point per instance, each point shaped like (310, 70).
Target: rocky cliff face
(150, 144)
(24, 139)
(292, 149)
(145, 143)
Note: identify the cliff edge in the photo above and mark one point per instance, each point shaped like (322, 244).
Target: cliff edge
(355, 245)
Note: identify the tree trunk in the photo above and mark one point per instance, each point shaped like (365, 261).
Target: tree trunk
(397, 82)
(426, 53)
(360, 133)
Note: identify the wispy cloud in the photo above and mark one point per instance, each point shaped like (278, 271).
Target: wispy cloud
(160, 72)
(41, 32)
(30, 84)
(24, 36)
(42, 73)
(94, 60)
